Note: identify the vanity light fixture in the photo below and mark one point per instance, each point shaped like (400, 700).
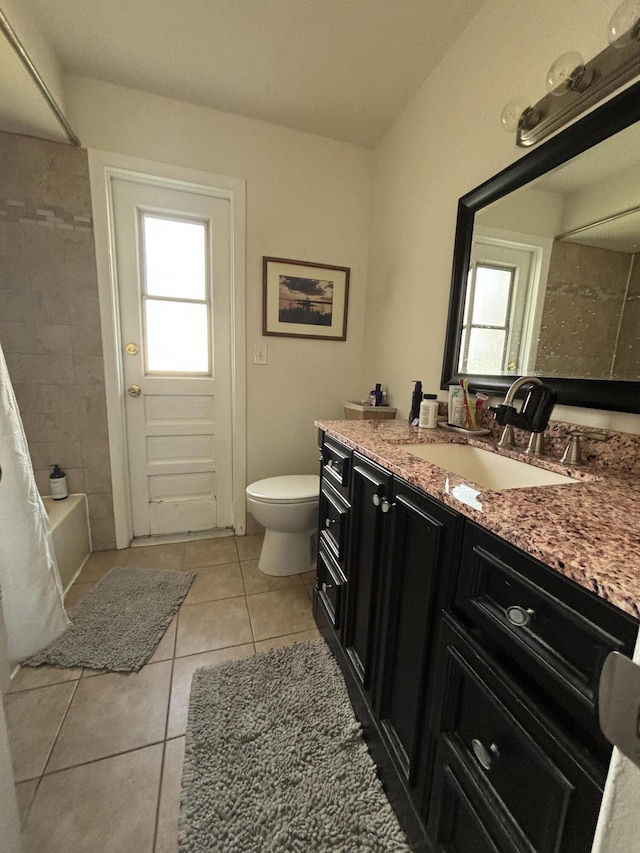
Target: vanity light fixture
(573, 85)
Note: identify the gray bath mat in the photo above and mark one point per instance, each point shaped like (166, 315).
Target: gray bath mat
(275, 761)
(119, 624)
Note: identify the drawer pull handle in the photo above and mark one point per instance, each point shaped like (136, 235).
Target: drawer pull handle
(383, 503)
(329, 521)
(519, 616)
(485, 756)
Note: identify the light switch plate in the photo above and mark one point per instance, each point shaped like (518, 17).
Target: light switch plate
(259, 353)
(619, 704)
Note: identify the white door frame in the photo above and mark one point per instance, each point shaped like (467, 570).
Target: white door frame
(103, 168)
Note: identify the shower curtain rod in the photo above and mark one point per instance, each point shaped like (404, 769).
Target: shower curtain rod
(33, 72)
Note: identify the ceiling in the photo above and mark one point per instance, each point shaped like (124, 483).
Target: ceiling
(339, 68)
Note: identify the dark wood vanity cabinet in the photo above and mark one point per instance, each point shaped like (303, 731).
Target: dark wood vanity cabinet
(501, 762)
(473, 667)
(514, 716)
(550, 634)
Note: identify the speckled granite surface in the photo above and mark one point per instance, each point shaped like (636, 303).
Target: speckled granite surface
(588, 530)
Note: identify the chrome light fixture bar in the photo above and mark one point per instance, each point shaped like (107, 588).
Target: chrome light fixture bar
(573, 85)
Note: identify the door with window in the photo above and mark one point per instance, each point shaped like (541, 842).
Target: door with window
(172, 261)
(495, 331)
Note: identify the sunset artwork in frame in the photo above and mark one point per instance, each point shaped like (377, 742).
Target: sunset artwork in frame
(304, 300)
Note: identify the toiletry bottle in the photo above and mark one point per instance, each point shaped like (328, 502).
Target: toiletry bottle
(58, 482)
(378, 394)
(428, 411)
(457, 415)
(416, 399)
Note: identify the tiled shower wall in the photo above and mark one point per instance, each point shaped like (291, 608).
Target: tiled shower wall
(627, 360)
(589, 325)
(50, 321)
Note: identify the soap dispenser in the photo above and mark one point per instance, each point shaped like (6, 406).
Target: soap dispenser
(416, 399)
(58, 483)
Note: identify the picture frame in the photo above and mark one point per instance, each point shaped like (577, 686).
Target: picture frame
(301, 299)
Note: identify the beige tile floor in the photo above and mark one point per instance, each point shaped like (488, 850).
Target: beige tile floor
(98, 757)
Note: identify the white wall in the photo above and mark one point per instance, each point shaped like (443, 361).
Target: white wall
(528, 211)
(612, 195)
(308, 198)
(447, 141)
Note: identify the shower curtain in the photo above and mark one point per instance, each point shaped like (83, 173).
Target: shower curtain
(29, 580)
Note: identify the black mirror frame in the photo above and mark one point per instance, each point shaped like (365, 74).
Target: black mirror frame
(613, 116)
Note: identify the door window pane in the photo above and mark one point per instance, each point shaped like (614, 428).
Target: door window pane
(175, 257)
(177, 336)
(491, 296)
(486, 351)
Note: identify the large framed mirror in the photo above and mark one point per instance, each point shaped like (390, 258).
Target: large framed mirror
(546, 267)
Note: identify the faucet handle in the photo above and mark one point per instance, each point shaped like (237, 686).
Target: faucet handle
(573, 451)
(593, 434)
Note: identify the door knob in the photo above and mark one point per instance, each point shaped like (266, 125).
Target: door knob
(134, 390)
(132, 349)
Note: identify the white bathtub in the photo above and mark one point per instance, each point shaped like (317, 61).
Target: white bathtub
(69, 519)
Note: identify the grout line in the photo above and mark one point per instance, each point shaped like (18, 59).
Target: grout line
(57, 735)
(159, 798)
(102, 758)
(253, 633)
(25, 817)
(13, 692)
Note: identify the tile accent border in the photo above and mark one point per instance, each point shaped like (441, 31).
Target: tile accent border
(29, 212)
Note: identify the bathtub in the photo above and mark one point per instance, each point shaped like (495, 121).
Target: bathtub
(69, 519)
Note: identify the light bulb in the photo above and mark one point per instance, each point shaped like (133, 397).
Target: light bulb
(511, 113)
(568, 73)
(624, 26)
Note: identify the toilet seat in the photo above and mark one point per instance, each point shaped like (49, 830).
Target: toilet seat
(292, 489)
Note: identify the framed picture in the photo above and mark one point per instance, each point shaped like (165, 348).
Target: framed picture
(304, 300)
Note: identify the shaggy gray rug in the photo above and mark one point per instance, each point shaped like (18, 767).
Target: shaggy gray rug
(119, 624)
(275, 761)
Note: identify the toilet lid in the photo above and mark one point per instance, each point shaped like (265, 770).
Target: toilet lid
(295, 488)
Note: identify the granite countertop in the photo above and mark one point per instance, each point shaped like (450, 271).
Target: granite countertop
(588, 530)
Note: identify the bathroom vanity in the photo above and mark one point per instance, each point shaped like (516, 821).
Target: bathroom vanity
(471, 626)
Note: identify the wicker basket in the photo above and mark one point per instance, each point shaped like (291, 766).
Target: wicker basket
(357, 412)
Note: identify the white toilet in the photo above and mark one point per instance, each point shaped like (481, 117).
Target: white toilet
(287, 507)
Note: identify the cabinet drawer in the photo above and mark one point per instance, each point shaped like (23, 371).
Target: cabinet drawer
(336, 465)
(333, 521)
(557, 632)
(507, 756)
(331, 584)
(457, 824)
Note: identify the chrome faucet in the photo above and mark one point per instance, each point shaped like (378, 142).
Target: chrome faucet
(533, 415)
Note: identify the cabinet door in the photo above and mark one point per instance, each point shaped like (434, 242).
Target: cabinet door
(370, 490)
(422, 543)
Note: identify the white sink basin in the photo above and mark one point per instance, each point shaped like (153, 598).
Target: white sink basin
(486, 469)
